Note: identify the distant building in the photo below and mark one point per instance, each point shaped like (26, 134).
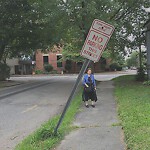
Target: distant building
(12, 63)
(19, 66)
(53, 57)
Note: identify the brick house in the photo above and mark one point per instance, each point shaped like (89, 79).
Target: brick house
(50, 57)
(53, 57)
(97, 67)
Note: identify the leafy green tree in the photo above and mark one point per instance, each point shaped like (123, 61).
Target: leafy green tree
(39, 24)
(133, 60)
(4, 71)
(17, 27)
(123, 14)
(27, 25)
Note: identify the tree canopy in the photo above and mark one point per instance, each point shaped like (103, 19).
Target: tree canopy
(26, 25)
(17, 27)
(127, 16)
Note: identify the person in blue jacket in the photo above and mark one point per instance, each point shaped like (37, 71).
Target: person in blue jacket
(89, 91)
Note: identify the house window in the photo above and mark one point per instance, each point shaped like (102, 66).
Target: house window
(45, 60)
(59, 62)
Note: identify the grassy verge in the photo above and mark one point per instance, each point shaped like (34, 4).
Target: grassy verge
(133, 100)
(8, 83)
(43, 138)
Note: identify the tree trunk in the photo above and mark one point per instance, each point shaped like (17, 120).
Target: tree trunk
(148, 52)
(2, 50)
(140, 57)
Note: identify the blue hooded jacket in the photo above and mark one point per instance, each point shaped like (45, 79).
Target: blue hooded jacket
(85, 79)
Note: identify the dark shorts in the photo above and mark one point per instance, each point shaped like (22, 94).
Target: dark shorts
(89, 96)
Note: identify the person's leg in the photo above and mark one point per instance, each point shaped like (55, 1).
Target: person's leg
(86, 98)
(93, 103)
(93, 99)
(86, 104)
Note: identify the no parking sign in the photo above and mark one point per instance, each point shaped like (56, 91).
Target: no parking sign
(97, 39)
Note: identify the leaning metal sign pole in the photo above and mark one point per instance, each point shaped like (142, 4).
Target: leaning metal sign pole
(96, 41)
(83, 69)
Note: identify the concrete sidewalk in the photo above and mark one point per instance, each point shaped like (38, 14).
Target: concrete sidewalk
(97, 130)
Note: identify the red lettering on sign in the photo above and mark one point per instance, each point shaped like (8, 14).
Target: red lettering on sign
(90, 54)
(98, 39)
(94, 44)
(92, 49)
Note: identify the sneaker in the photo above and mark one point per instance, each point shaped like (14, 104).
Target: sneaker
(93, 106)
(87, 106)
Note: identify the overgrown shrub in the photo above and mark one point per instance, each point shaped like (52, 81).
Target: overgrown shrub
(48, 68)
(146, 83)
(4, 71)
(140, 74)
(54, 72)
(38, 72)
(115, 67)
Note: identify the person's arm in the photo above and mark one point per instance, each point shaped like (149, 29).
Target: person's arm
(84, 81)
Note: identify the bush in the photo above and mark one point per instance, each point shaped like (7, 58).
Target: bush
(54, 72)
(4, 71)
(38, 72)
(48, 68)
(140, 74)
(115, 67)
(146, 83)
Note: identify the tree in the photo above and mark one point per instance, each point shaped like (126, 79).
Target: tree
(4, 71)
(133, 60)
(124, 15)
(17, 25)
(24, 26)
(37, 24)
(79, 23)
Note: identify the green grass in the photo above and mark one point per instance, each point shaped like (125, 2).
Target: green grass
(133, 100)
(3, 84)
(43, 138)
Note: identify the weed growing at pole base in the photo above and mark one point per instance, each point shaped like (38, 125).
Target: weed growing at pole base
(133, 100)
(43, 138)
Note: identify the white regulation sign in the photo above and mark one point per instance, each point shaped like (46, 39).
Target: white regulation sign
(97, 39)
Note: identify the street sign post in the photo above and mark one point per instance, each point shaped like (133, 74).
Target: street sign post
(95, 43)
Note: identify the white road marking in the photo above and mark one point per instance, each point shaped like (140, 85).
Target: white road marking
(29, 109)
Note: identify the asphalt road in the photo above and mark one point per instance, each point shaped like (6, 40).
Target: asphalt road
(21, 113)
(25, 107)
